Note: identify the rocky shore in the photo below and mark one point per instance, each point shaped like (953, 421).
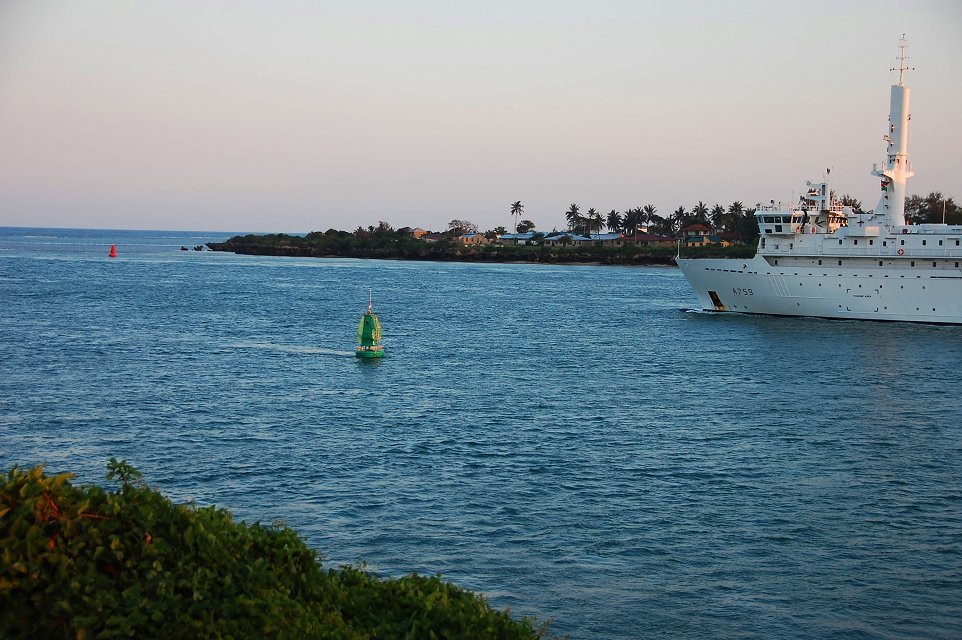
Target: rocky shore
(318, 245)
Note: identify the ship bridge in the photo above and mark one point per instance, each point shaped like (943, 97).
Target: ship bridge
(778, 221)
(817, 211)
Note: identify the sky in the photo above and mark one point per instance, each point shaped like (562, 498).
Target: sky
(296, 115)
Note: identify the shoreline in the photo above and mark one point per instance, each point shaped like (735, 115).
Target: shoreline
(640, 261)
(394, 248)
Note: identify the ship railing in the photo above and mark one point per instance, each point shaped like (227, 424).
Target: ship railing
(888, 252)
(787, 207)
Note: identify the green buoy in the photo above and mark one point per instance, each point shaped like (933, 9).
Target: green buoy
(369, 333)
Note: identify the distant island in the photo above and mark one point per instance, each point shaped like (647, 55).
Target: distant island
(456, 245)
(639, 236)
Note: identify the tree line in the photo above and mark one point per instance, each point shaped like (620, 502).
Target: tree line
(736, 219)
(932, 209)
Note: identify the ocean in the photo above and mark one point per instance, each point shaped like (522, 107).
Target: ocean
(573, 442)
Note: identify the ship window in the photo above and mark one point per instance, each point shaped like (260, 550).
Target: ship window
(855, 242)
(763, 243)
(819, 263)
(880, 263)
(884, 243)
(913, 263)
(778, 228)
(871, 242)
(901, 241)
(956, 265)
(770, 219)
(923, 243)
(933, 263)
(840, 242)
(840, 263)
(956, 243)
(776, 263)
(940, 243)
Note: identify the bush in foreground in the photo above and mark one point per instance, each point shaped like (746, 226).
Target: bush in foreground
(81, 562)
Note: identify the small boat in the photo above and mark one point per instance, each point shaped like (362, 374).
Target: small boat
(369, 333)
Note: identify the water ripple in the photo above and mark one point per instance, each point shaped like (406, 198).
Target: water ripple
(570, 441)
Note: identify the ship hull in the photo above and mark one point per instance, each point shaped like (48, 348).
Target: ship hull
(856, 293)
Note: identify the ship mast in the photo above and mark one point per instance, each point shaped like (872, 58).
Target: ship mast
(897, 169)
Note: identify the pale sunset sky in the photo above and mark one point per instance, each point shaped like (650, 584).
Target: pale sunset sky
(286, 115)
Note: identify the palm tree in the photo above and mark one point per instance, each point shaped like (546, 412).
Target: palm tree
(735, 219)
(717, 216)
(664, 226)
(593, 222)
(700, 213)
(614, 221)
(741, 223)
(679, 218)
(629, 222)
(574, 217)
(748, 226)
(516, 210)
(650, 213)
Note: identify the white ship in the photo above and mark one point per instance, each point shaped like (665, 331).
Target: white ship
(821, 259)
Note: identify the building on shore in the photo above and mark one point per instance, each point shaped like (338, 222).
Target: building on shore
(516, 238)
(472, 239)
(651, 239)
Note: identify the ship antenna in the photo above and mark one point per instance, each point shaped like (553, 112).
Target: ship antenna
(370, 302)
(903, 45)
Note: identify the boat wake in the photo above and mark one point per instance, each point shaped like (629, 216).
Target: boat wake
(291, 348)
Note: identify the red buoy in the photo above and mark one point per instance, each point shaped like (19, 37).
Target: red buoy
(113, 251)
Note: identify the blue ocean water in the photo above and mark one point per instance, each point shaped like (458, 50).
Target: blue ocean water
(571, 441)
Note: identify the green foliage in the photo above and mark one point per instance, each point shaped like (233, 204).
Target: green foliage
(848, 200)
(933, 209)
(81, 562)
(428, 607)
(123, 472)
(614, 221)
(458, 227)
